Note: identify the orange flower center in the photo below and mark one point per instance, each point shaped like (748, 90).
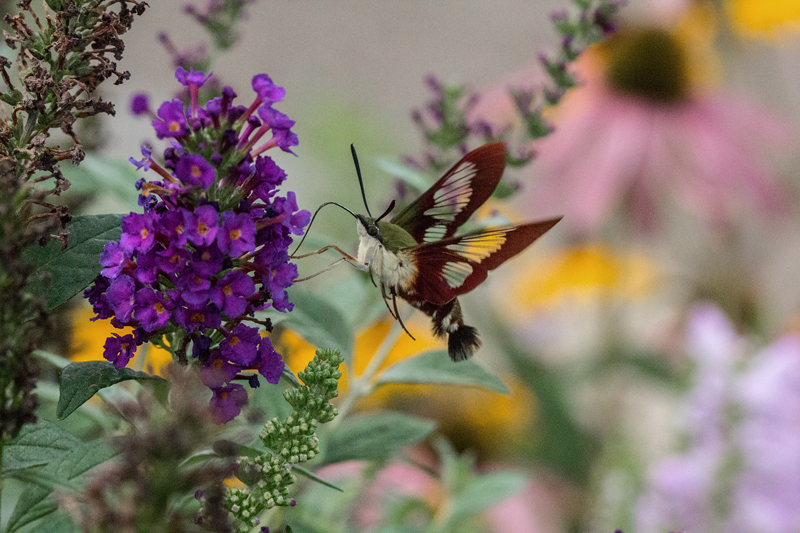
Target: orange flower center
(202, 229)
(159, 307)
(226, 290)
(235, 234)
(174, 126)
(196, 172)
(234, 341)
(198, 316)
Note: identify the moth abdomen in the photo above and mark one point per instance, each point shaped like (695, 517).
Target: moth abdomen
(462, 340)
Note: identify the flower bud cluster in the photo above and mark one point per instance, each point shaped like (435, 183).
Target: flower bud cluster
(453, 120)
(290, 441)
(211, 245)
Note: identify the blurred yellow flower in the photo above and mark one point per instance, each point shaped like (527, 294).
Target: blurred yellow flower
(696, 32)
(764, 18)
(89, 337)
(297, 353)
(584, 273)
(473, 418)
(470, 417)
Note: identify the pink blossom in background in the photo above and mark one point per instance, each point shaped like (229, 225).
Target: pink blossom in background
(533, 510)
(741, 470)
(624, 152)
(767, 494)
(638, 134)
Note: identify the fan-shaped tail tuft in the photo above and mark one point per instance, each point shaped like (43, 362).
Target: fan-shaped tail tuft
(462, 343)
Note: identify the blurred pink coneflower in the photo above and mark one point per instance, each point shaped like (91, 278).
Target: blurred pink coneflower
(639, 132)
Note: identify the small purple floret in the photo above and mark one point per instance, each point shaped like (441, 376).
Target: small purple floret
(119, 350)
(270, 363)
(140, 104)
(237, 234)
(137, 232)
(241, 345)
(120, 297)
(227, 402)
(267, 91)
(114, 258)
(152, 311)
(191, 78)
(173, 121)
(232, 291)
(202, 225)
(193, 169)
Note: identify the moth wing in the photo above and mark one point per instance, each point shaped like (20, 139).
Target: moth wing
(440, 210)
(454, 266)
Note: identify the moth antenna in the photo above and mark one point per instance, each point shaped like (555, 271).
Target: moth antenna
(388, 210)
(312, 221)
(360, 181)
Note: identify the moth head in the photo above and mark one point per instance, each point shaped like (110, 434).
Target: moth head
(367, 226)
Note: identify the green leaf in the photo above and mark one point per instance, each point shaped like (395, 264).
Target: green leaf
(405, 173)
(504, 190)
(437, 368)
(557, 440)
(375, 436)
(37, 444)
(319, 322)
(60, 275)
(51, 358)
(310, 475)
(59, 522)
(111, 176)
(484, 492)
(80, 461)
(80, 381)
(35, 501)
(289, 376)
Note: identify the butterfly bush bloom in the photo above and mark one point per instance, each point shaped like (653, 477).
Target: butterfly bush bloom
(741, 470)
(211, 245)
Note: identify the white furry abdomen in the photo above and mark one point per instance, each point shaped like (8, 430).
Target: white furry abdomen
(394, 270)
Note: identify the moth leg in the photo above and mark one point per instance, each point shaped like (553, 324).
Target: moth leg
(373, 280)
(345, 256)
(329, 267)
(397, 314)
(385, 298)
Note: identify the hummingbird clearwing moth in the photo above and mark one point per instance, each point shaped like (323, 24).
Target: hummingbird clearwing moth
(417, 256)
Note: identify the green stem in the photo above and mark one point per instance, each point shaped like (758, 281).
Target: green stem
(2, 481)
(362, 385)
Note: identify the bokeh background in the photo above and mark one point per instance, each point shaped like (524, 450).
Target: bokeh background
(650, 341)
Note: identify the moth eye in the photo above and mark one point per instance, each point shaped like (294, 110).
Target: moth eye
(372, 231)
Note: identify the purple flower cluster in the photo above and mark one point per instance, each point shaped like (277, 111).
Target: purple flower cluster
(741, 469)
(211, 245)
